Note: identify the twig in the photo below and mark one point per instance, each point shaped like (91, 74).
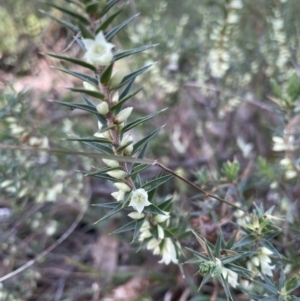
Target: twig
(206, 194)
(49, 249)
(123, 159)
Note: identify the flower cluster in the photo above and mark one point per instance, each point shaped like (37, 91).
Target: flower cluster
(261, 260)
(160, 245)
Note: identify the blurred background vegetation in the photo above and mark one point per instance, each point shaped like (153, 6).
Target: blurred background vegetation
(214, 66)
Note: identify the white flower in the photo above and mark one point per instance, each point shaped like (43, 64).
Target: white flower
(231, 276)
(139, 199)
(168, 252)
(119, 195)
(136, 215)
(117, 174)
(98, 51)
(279, 144)
(261, 259)
(122, 186)
(102, 108)
(123, 115)
(153, 244)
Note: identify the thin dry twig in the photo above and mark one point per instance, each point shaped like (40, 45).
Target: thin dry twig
(49, 249)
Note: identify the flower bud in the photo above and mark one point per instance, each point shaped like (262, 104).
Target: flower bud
(116, 79)
(126, 139)
(89, 86)
(106, 135)
(123, 115)
(159, 218)
(117, 174)
(102, 108)
(110, 163)
(161, 233)
(115, 98)
(122, 186)
(128, 150)
(136, 215)
(265, 251)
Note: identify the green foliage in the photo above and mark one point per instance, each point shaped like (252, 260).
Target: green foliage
(244, 241)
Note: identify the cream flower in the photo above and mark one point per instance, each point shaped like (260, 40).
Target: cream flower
(168, 252)
(230, 276)
(118, 195)
(139, 199)
(263, 260)
(98, 51)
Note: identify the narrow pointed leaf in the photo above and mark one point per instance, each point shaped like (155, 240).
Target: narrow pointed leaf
(108, 6)
(76, 3)
(218, 245)
(108, 21)
(119, 104)
(226, 287)
(156, 182)
(205, 279)
(100, 117)
(128, 227)
(153, 210)
(231, 241)
(95, 94)
(133, 75)
(135, 123)
(151, 193)
(100, 147)
(138, 168)
(89, 139)
(121, 54)
(69, 12)
(127, 89)
(81, 76)
(137, 182)
(244, 241)
(91, 8)
(77, 106)
(270, 247)
(85, 33)
(269, 288)
(72, 60)
(137, 146)
(137, 228)
(116, 29)
(101, 171)
(107, 205)
(166, 205)
(111, 213)
(140, 156)
(121, 148)
(106, 74)
(62, 22)
(209, 252)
